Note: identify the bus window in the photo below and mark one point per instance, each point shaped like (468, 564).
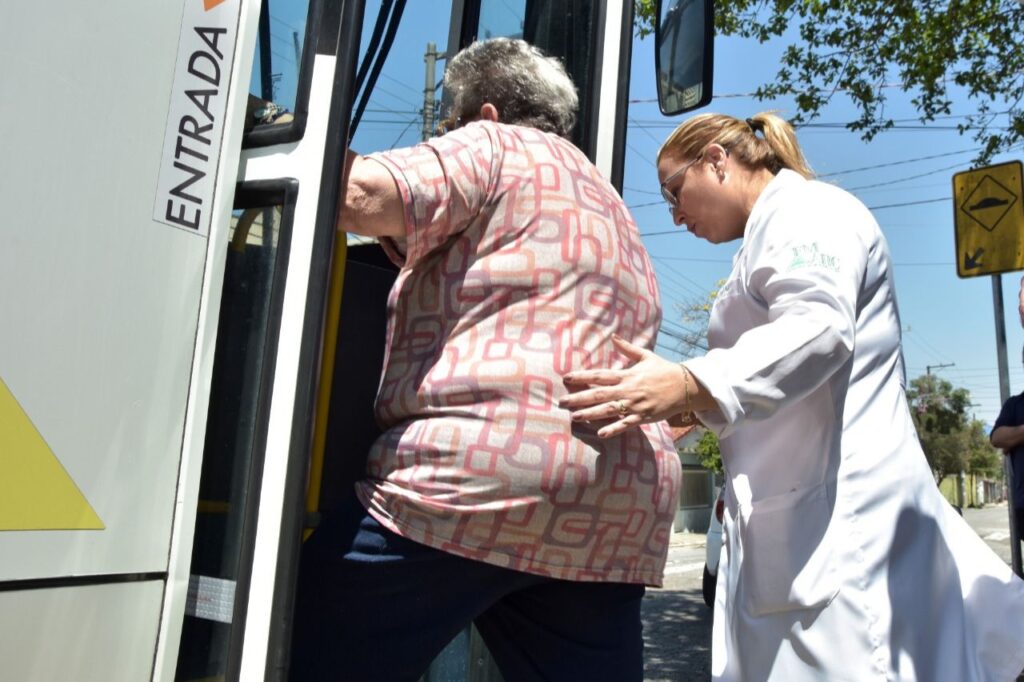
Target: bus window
(504, 19)
(236, 428)
(279, 87)
(403, 107)
(562, 28)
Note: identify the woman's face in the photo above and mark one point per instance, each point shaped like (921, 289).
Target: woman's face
(703, 201)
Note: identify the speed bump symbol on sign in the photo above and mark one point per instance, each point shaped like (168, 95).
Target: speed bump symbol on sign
(988, 215)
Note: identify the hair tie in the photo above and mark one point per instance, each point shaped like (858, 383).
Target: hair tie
(750, 124)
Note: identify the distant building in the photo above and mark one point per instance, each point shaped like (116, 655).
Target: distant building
(699, 489)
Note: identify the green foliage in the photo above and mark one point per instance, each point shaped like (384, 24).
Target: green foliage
(643, 11)
(952, 442)
(708, 452)
(982, 458)
(862, 49)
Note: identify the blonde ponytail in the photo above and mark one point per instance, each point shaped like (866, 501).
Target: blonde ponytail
(776, 148)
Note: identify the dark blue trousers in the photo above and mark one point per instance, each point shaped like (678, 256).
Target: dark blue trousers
(372, 606)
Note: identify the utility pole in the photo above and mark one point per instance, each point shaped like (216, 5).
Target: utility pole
(429, 86)
(928, 368)
(961, 489)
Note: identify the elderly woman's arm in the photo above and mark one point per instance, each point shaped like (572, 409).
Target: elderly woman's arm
(373, 205)
(653, 389)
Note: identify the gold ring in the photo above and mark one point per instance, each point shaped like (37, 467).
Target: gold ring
(623, 410)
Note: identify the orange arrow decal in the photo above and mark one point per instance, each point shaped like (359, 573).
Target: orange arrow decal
(210, 4)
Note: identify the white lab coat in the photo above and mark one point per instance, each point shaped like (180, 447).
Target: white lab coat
(841, 560)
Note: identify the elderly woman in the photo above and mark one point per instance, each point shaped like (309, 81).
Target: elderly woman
(482, 501)
(841, 560)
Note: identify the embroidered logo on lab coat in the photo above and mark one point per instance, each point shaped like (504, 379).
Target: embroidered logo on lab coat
(808, 256)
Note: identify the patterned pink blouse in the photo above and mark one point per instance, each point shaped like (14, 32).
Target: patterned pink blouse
(519, 263)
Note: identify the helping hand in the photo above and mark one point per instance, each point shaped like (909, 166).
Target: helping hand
(651, 390)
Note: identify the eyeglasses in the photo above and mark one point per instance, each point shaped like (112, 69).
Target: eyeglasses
(670, 197)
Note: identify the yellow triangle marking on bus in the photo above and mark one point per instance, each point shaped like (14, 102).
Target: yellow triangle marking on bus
(210, 4)
(36, 493)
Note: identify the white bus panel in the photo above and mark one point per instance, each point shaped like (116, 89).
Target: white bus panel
(96, 633)
(99, 317)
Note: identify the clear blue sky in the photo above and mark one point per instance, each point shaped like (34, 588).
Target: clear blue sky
(946, 320)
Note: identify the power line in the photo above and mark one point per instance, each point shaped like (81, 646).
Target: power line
(667, 348)
(905, 188)
(282, 56)
(701, 290)
(649, 203)
(388, 121)
(641, 191)
(406, 128)
(898, 163)
(739, 95)
(680, 329)
(924, 264)
(915, 336)
(870, 208)
(404, 85)
(660, 123)
(993, 369)
(645, 157)
(287, 40)
(669, 289)
(909, 203)
(633, 123)
(900, 264)
(679, 337)
(398, 97)
(393, 111)
(397, 112)
(284, 23)
(904, 179)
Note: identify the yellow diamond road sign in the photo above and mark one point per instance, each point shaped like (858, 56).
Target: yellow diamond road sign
(988, 214)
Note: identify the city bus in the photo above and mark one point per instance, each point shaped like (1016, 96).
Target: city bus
(189, 352)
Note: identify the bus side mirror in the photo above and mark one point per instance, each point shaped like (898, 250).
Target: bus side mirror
(684, 33)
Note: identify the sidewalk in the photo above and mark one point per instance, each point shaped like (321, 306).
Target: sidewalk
(686, 539)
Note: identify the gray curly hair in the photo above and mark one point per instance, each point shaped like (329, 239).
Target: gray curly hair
(527, 87)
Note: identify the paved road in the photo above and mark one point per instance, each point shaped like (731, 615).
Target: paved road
(677, 625)
(992, 523)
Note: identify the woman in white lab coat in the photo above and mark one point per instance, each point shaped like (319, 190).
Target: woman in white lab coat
(841, 560)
